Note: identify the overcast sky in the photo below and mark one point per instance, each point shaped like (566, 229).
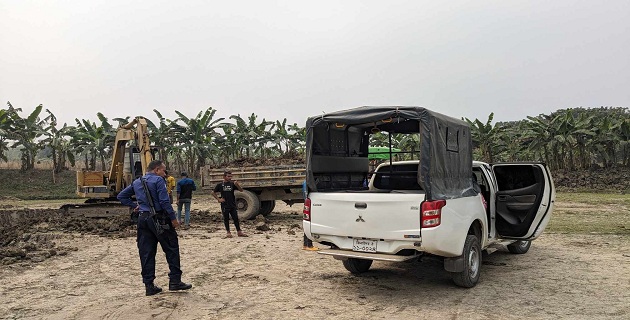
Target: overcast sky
(294, 59)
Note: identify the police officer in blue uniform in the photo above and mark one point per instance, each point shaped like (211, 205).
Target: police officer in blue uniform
(148, 234)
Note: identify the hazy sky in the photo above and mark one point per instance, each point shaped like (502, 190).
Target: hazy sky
(293, 59)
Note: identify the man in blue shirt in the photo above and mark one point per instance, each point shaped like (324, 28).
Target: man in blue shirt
(185, 188)
(148, 236)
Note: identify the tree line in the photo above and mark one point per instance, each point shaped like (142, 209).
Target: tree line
(567, 139)
(571, 139)
(186, 143)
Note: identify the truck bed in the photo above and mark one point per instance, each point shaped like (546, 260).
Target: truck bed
(282, 176)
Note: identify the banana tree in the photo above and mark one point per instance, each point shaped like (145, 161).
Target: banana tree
(162, 136)
(484, 136)
(26, 132)
(195, 137)
(297, 138)
(94, 140)
(251, 135)
(4, 134)
(58, 142)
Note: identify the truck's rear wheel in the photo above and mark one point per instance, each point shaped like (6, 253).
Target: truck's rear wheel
(357, 266)
(247, 204)
(469, 277)
(266, 207)
(520, 247)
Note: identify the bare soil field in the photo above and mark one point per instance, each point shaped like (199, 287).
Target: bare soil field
(55, 267)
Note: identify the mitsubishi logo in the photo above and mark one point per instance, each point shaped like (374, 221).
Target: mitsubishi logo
(360, 219)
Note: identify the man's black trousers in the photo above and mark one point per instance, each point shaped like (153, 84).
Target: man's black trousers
(147, 247)
(227, 212)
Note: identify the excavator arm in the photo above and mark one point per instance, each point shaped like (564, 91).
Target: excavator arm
(124, 134)
(105, 185)
(98, 187)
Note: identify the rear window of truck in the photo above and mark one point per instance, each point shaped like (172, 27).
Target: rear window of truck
(397, 177)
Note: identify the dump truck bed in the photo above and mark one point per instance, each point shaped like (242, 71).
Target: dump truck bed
(281, 176)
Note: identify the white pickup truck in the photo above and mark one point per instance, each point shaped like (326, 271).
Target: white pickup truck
(442, 204)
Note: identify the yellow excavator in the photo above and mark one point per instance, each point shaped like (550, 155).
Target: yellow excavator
(100, 188)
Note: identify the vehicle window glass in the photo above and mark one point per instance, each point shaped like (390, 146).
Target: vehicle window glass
(397, 177)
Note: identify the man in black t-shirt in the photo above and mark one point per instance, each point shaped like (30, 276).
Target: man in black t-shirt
(228, 203)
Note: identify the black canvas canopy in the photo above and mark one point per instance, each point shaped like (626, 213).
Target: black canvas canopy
(337, 148)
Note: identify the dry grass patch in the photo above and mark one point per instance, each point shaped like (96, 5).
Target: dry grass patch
(591, 213)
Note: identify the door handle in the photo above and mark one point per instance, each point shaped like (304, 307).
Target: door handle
(503, 198)
(360, 205)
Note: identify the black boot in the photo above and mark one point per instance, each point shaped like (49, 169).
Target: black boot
(176, 286)
(152, 289)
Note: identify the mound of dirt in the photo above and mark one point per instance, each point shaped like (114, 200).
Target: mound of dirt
(29, 234)
(597, 179)
(287, 158)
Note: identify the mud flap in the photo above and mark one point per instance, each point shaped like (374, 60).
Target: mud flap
(455, 264)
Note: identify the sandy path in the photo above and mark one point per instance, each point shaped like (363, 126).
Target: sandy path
(267, 276)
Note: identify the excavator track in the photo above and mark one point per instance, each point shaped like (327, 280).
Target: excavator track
(96, 210)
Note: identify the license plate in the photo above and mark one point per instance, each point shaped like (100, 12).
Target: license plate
(364, 245)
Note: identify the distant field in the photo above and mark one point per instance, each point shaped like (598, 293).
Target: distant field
(37, 184)
(591, 213)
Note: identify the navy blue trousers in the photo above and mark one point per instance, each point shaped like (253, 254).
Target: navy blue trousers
(147, 247)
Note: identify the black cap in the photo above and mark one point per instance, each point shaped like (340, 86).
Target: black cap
(184, 174)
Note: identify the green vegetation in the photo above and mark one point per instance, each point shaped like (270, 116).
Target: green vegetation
(568, 139)
(591, 213)
(186, 143)
(37, 184)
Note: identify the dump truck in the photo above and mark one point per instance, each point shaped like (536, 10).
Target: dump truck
(262, 186)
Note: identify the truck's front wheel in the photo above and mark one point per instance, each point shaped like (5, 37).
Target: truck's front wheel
(247, 204)
(469, 277)
(357, 266)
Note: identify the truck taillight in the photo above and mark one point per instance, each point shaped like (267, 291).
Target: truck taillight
(431, 213)
(307, 209)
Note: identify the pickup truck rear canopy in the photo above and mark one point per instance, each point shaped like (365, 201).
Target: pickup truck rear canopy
(337, 144)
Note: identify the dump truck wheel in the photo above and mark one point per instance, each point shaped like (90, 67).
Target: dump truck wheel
(266, 207)
(247, 204)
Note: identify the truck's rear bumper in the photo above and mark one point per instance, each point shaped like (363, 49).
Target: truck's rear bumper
(344, 254)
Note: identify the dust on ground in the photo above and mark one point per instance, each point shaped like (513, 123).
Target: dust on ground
(94, 273)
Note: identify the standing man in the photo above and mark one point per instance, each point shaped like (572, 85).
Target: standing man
(185, 188)
(148, 235)
(170, 185)
(228, 203)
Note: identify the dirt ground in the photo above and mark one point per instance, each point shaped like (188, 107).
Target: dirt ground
(69, 269)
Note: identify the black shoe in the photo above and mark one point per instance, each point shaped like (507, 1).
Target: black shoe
(179, 286)
(153, 289)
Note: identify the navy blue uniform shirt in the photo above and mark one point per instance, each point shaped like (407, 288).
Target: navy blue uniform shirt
(157, 187)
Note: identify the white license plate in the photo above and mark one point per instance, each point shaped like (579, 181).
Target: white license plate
(364, 245)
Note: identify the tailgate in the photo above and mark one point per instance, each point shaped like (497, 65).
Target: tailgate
(385, 216)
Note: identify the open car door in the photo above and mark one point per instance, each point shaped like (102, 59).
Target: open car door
(524, 200)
